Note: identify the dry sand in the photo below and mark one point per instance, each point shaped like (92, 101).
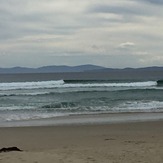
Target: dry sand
(139, 142)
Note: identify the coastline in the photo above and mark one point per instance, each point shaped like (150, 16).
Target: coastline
(88, 119)
(116, 142)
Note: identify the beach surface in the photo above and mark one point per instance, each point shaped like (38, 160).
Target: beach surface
(130, 142)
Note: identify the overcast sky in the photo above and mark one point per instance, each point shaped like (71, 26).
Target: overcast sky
(111, 33)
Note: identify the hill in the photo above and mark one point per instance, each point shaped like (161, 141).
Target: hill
(80, 68)
(51, 69)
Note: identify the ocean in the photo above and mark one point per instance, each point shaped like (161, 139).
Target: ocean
(29, 102)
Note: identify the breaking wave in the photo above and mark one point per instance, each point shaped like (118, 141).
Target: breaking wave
(65, 84)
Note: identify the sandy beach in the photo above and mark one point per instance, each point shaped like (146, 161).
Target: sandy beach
(99, 143)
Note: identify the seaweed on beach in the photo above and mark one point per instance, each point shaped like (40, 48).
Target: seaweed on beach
(10, 149)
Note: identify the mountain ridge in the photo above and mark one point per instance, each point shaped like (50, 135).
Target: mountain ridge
(51, 69)
(79, 68)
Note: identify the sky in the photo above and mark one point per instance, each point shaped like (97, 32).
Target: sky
(110, 33)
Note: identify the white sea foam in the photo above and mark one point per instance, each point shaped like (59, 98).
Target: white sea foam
(130, 106)
(31, 85)
(142, 106)
(131, 84)
(61, 84)
(27, 117)
(17, 108)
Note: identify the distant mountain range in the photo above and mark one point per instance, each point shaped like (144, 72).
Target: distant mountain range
(51, 69)
(81, 68)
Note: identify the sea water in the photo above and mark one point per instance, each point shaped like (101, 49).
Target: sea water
(40, 100)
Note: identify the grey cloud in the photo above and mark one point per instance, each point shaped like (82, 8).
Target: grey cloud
(127, 13)
(15, 26)
(157, 2)
(17, 19)
(124, 10)
(131, 9)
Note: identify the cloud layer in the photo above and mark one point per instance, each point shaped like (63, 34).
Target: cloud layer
(111, 33)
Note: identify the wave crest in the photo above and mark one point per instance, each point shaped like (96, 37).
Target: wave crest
(30, 85)
(62, 84)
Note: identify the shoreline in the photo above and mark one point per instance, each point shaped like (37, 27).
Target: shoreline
(119, 142)
(87, 119)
